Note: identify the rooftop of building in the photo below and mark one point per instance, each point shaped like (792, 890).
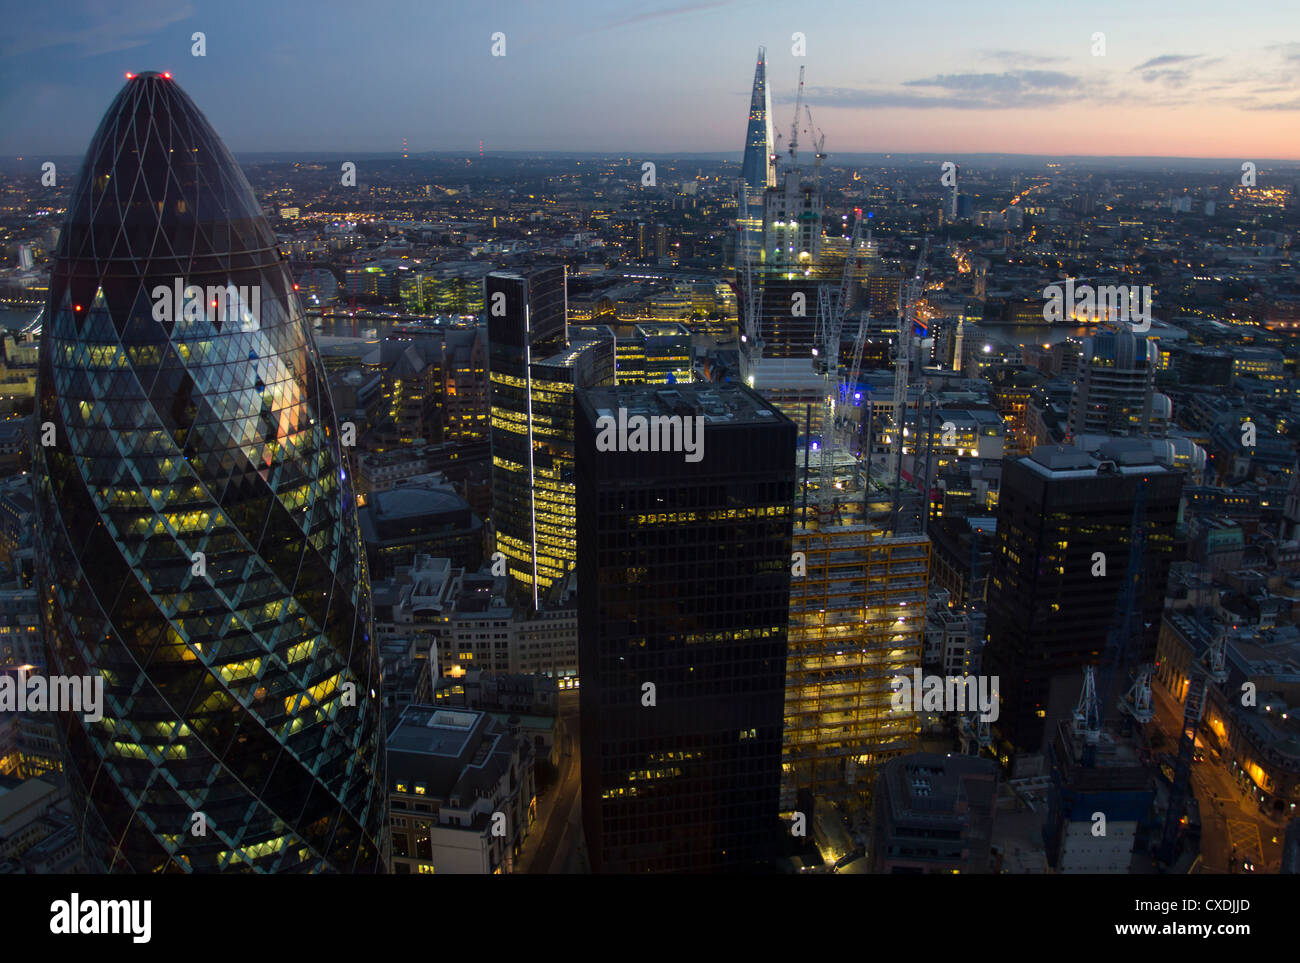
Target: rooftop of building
(413, 502)
(452, 753)
(29, 792)
(718, 404)
(929, 785)
(568, 357)
(435, 732)
(1120, 456)
(663, 329)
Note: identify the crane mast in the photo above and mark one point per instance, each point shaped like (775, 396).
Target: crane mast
(794, 126)
(1090, 717)
(830, 315)
(902, 362)
(819, 143)
(749, 302)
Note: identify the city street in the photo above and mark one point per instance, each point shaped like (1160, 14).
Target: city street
(1232, 827)
(555, 811)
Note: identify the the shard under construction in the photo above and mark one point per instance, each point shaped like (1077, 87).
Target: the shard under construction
(759, 168)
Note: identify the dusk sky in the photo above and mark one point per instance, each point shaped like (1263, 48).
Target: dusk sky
(1186, 79)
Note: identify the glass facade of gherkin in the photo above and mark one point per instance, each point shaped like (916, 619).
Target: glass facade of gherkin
(201, 548)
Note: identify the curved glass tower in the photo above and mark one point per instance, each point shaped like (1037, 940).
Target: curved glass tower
(202, 552)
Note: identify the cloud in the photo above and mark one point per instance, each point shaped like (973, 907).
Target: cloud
(1166, 60)
(1170, 78)
(685, 9)
(1293, 104)
(1024, 89)
(1289, 51)
(1160, 70)
(998, 99)
(1018, 57)
(1015, 81)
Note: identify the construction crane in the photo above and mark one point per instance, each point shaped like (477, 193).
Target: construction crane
(1090, 715)
(902, 362)
(1212, 668)
(850, 381)
(819, 142)
(1087, 721)
(828, 314)
(830, 319)
(852, 265)
(974, 731)
(794, 126)
(1214, 655)
(1192, 710)
(749, 298)
(1137, 701)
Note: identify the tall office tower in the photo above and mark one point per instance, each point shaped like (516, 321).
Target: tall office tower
(683, 597)
(533, 373)
(758, 169)
(1115, 389)
(202, 553)
(791, 266)
(1048, 613)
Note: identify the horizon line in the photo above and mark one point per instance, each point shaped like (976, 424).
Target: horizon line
(723, 156)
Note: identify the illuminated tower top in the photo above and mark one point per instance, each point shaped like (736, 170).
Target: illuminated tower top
(759, 168)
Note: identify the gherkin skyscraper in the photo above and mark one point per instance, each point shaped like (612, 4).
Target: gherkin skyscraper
(202, 552)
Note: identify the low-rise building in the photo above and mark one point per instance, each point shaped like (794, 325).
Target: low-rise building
(934, 814)
(461, 790)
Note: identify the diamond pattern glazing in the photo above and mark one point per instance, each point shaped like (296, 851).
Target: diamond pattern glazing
(202, 551)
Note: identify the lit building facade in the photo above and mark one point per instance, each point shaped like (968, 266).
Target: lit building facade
(758, 169)
(1115, 388)
(534, 371)
(857, 624)
(202, 553)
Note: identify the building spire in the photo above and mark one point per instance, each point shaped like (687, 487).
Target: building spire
(759, 168)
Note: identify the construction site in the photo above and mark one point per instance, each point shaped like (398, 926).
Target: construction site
(861, 557)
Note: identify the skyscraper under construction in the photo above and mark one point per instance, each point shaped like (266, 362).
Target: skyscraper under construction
(857, 623)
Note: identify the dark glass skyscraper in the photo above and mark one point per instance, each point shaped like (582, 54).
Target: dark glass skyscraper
(684, 585)
(1050, 607)
(201, 545)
